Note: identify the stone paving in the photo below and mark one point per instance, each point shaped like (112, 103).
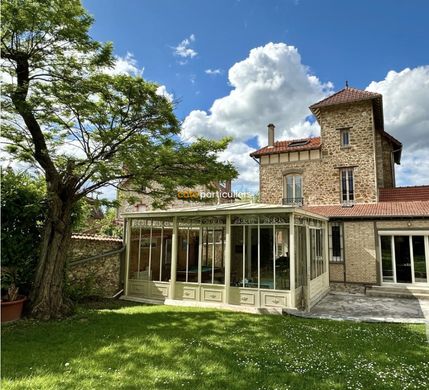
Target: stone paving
(359, 307)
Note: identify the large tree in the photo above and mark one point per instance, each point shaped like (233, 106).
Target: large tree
(85, 128)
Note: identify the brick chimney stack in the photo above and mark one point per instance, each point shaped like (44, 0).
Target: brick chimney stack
(271, 128)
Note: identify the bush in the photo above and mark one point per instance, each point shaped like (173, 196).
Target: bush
(23, 213)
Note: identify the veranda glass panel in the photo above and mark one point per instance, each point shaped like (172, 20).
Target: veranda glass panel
(143, 271)
(282, 262)
(420, 271)
(134, 252)
(251, 265)
(187, 255)
(160, 265)
(317, 266)
(300, 256)
(213, 248)
(238, 249)
(386, 258)
(266, 257)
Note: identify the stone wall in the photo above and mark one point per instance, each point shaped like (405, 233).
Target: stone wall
(384, 161)
(321, 178)
(336, 272)
(360, 252)
(94, 277)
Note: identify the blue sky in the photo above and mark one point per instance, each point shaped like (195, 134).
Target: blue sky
(335, 40)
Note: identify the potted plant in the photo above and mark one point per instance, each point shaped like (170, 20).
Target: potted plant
(12, 302)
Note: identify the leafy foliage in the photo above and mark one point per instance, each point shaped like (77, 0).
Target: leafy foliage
(23, 214)
(23, 205)
(68, 115)
(98, 127)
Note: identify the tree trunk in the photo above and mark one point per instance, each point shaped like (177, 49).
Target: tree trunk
(47, 297)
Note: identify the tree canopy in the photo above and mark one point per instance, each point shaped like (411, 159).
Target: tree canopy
(83, 126)
(80, 123)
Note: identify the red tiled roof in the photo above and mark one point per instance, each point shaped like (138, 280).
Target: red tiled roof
(284, 146)
(351, 95)
(399, 194)
(95, 237)
(382, 209)
(346, 95)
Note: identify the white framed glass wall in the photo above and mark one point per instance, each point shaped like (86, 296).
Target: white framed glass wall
(260, 252)
(150, 250)
(150, 253)
(404, 257)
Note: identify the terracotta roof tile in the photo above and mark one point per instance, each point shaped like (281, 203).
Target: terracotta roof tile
(284, 146)
(409, 194)
(346, 95)
(381, 209)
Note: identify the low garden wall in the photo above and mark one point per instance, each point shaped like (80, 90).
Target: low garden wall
(89, 273)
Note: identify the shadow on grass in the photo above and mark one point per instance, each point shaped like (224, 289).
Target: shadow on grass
(171, 347)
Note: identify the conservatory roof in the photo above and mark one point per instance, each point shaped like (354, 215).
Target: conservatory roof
(224, 209)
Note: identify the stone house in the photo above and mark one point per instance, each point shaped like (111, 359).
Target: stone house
(378, 233)
(330, 216)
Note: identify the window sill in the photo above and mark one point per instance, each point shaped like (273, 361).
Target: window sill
(346, 147)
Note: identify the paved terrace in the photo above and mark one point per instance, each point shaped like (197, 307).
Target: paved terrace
(354, 307)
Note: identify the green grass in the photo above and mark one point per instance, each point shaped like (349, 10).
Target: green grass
(161, 347)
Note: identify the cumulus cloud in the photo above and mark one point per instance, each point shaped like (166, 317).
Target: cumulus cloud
(125, 65)
(213, 72)
(406, 117)
(184, 50)
(270, 85)
(162, 91)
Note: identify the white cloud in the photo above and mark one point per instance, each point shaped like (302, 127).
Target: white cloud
(184, 50)
(162, 91)
(406, 117)
(270, 85)
(213, 72)
(125, 65)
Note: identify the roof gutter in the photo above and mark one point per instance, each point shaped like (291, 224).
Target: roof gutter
(255, 159)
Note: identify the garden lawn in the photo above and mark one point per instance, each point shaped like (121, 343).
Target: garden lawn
(162, 347)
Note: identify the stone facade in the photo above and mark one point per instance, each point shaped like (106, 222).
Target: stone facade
(384, 160)
(360, 252)
(321, 176)
(94, 277)
(361, 249)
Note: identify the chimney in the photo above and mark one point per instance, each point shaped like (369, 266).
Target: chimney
(271, 135)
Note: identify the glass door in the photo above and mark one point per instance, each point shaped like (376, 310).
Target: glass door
(404, 258)
(420, 259)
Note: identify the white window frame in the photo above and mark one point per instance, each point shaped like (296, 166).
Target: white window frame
(347, 171)
(410, 234)
(294, 176)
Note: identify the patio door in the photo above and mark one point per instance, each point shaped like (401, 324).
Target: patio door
(404, 257)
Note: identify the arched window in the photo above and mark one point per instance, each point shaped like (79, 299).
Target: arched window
(292, 191)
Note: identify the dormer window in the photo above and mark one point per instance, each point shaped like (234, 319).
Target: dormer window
(298, 143)
(345, 138)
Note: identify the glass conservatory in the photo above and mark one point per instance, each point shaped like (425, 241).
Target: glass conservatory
(252, 255)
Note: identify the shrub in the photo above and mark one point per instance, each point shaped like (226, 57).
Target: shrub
(23, 213)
